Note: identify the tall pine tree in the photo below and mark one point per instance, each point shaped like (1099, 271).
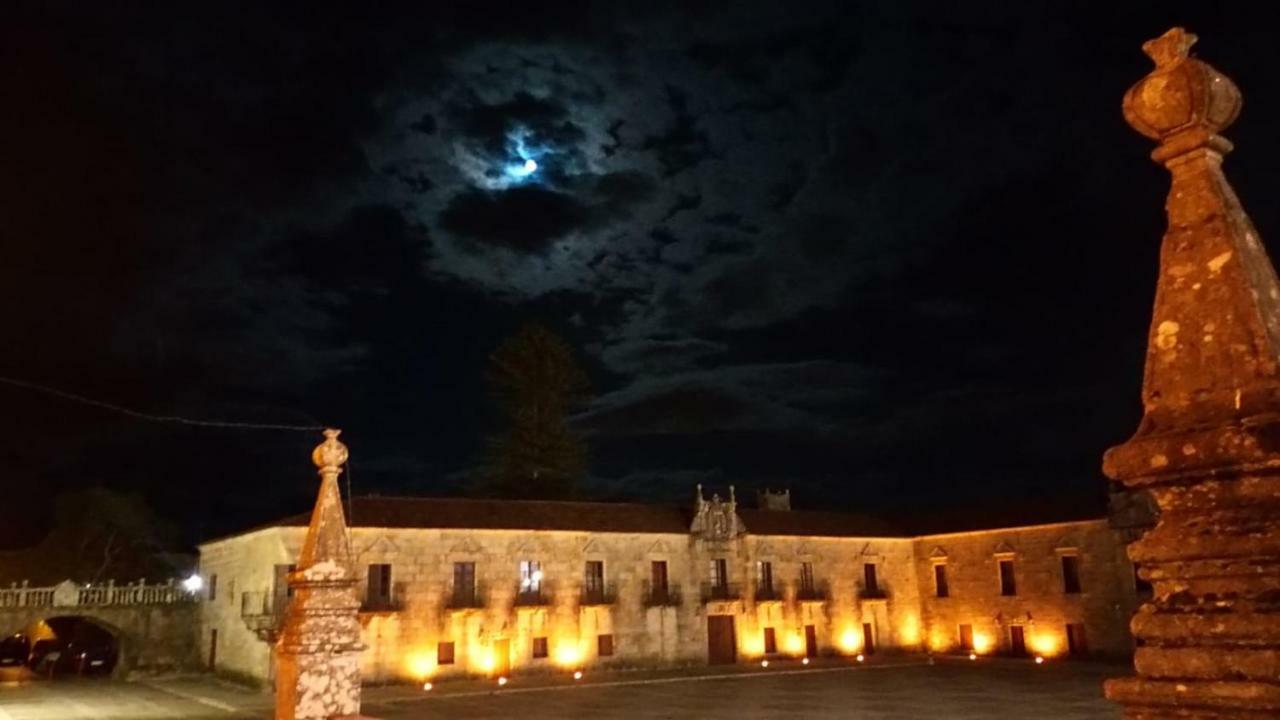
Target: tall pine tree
(536, 382)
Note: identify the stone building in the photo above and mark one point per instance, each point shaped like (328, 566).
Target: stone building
(459, 586)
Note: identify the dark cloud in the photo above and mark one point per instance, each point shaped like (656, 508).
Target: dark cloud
(524, 219)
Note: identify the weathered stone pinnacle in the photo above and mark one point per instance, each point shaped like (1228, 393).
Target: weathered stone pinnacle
(1208, 446)
(318, 654)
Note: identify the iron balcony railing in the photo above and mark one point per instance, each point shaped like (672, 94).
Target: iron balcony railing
(666, 595)
(599, 594)
(817, 592)
(531, 596)
(721, 591)
(875, 592)
(464, 598)
(766, 593)
(381, 604)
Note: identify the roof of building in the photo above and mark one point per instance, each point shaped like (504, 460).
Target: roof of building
(477, 514)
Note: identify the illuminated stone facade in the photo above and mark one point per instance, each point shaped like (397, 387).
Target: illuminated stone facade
(457, 594)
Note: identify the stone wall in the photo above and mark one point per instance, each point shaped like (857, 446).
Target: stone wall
(150, 638)
(1041, 606)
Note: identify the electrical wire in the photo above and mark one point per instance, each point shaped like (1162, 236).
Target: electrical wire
(138, 415)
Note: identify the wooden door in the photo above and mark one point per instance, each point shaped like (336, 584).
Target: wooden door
(810, 641)
(966, 638)
(722, 645)
(213, 649)
(868, 639)
(1017, 641)
(502, 657)
(1076, 643)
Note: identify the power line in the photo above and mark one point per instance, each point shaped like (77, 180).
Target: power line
(171, 419)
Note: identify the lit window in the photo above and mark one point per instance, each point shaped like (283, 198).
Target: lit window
(530, 576)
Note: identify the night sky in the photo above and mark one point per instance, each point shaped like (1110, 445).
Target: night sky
(898, 257)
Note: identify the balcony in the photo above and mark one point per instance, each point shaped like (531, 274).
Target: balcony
(812, 593)
(720, 592)
(531, 597)
(768, 593)
(469, 598)
(598, 595)
(875, 592)
(662, 596)
(263, 613)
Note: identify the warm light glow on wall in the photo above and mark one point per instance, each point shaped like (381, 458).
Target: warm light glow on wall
(850, 641)
(909, 632)
(568, 654)
(794, 644)
(1045, 644)
(982, 643)
(752, 643)
(938, 642)
(420, 664)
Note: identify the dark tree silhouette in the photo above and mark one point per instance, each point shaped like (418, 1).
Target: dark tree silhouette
(536, 382)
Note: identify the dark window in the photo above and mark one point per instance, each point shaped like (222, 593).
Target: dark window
(604, 645)
(868, 639)
(770, 641)
(719, 573)
(539, 647)
(764, 575)
(213, 648)
(444, 653)
(1070, 574)
(1076, 643)
(1008, 586)
(966, 638)
(658, 579)
(870, 583)
(464, 583)
(378, 590)
(806, 577)
(281, 591)
(940, 587)
(593, 581)
(213, 587)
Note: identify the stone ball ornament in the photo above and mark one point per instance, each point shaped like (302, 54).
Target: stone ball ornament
(330, 454)
(1184, 102)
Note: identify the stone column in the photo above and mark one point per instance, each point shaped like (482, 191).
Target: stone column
(318, 653)
(1208, 446)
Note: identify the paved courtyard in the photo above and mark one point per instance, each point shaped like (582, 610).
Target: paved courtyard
(958, 690)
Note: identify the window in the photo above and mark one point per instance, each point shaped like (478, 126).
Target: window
(806, 577)
(281, 591)
(444, 653)
(464, 584)
(764, 576)
(530, 577)
(539, 647)
(1070, 574)
(770, 641)
(720, 573)
(940, 587)
(604, 645)
(1008, 586)
(593, 582)
(871, 585)
(658, 580)
(231, 594)
(213, 587)
(966, 637)
(378, 589)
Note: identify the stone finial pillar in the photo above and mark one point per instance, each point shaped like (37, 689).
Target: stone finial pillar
(1208, 446)
(318, 653)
